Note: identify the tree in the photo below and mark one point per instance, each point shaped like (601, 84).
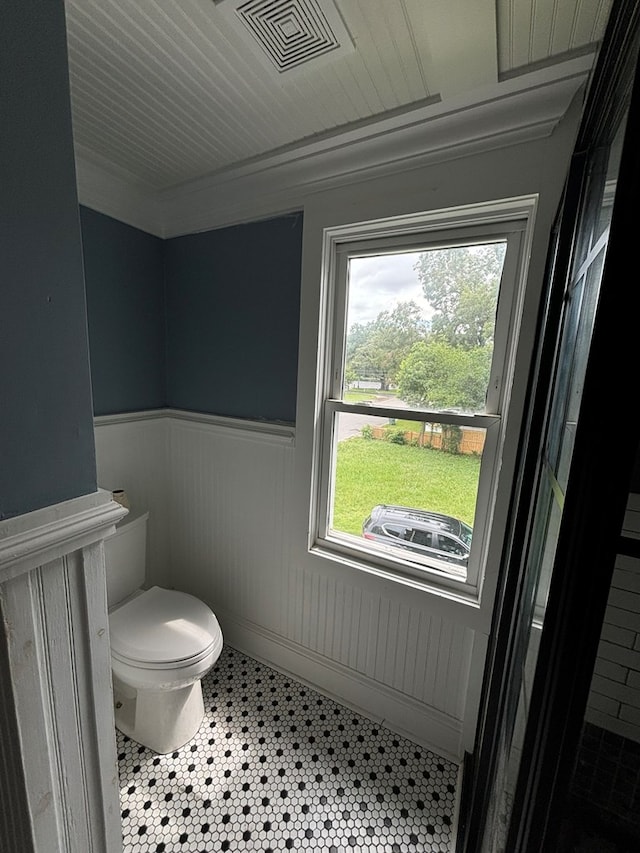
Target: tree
(376, 349)
(423, 378)
(358, 334)
(350, 376)
(462, 285)
(436, 375)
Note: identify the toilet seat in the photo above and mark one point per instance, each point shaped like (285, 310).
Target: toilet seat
(162, 666)
(163, 629)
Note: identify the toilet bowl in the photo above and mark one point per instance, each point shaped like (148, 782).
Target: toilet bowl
(162, 644)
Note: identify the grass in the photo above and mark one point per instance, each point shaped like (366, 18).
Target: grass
(371, 472)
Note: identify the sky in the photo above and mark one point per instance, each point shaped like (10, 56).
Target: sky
(379, 283)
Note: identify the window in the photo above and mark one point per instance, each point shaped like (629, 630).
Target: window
(450, 546)
(419, 328)
(422, 537)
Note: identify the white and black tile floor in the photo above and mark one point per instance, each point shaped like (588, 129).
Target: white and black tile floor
(276, 766)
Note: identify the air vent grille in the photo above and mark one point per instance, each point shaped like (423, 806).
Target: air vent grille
(294, 32)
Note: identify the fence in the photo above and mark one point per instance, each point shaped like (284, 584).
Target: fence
(471, 442)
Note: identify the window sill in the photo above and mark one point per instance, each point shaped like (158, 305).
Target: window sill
(429, 582)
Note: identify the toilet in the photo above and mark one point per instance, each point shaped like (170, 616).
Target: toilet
(163, 642)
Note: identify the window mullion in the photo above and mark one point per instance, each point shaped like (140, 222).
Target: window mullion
(482, 421)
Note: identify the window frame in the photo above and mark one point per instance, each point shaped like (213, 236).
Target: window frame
(510, 219)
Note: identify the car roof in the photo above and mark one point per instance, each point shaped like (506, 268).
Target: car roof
(438, 519)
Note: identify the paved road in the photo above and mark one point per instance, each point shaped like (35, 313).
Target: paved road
(350, 425)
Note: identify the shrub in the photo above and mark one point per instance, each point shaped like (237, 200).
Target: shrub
(395, 436)
(367, 431)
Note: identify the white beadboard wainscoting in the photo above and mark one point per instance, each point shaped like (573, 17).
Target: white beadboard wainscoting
(55, 681)
(220, 495)
(132, 454)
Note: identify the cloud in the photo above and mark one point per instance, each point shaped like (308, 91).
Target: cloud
(379, 283)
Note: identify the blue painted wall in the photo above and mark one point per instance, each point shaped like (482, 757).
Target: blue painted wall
(207, 322)
(47, 450)
(233, 302)
(125, 303)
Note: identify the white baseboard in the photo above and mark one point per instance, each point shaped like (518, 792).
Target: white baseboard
(404, 715)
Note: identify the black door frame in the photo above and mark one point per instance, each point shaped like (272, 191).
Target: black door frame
(588, 539)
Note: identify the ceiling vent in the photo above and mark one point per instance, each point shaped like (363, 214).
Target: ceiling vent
(292, 33)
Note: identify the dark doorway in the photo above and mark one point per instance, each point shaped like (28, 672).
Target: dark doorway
(570, 499)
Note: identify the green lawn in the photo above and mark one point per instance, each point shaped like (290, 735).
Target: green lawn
(371, 472)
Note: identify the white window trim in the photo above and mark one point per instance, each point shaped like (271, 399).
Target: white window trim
(497, 218)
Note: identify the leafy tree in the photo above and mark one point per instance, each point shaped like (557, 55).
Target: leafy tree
(358, 335)
(437, 375)
(424, 378)
(376, 349)
(474, 383)
(350, 376)
(462, 286)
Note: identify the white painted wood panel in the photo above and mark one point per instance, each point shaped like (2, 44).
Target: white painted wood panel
(170, 92)
(54, 611)
(131, 454)
(167, 93)
(15, 822)
(227, 510)
(536, 31)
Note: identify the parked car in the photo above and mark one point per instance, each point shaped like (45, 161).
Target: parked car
(431, 534)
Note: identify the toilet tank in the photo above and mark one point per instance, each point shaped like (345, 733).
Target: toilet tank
(125, 557)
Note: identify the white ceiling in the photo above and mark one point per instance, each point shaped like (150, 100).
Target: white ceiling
(168, 93)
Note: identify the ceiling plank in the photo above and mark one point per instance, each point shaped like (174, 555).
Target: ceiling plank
(463, 43)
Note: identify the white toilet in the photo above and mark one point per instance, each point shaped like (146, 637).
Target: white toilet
(162, 643)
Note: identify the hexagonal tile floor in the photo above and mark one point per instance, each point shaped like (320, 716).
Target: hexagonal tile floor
(277, 766)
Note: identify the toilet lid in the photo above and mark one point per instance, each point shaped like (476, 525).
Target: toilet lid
(162, 626)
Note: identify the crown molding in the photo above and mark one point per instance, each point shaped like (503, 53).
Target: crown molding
(519, 109)
(116, 193)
